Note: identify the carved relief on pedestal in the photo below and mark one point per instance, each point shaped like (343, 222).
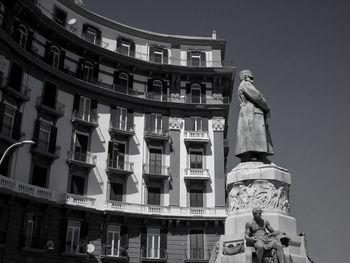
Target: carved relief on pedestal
(175, 123)
(218, 124)
(260, 193)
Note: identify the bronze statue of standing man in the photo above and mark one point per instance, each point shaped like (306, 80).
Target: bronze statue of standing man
(253, 137)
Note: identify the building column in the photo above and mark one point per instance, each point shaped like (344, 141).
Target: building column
(219, 167)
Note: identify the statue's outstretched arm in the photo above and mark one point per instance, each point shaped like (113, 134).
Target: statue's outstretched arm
(254, 96)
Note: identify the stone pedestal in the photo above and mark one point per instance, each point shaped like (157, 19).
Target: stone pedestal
(255, 184)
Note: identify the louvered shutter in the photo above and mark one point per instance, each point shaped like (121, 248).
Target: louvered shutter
(48, 56)
(29, 43)
(189, 58)
(36, 131)
(165, 56)
(205, 124)
(187, 124)
(63, 234)
(203, 59)
(165, 124)
(53, 136)
(15, 32)
(151, 53)
(62, 59)
(131, 83)
(16, 132)
(104, 229)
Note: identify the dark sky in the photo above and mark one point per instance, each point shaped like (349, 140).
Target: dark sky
(299, 53)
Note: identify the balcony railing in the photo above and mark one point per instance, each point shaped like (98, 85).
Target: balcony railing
(84, 159)
(88, 119)
(122, 127)
(115, 166)
(165, 210)
(156, 134)
(117, 252)
(196, 136)
(149, 253)
(200, 254)
(22, 92)
(196, 173)
(56, 109)
(79, 200)
(156, 170)
(33, 242)
(31, 190)
(95, 41)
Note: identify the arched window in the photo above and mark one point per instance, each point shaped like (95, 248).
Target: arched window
(157, 88)
(23, 35)
(123, 80)
(55, 56)
(196, 93)
(88, 71)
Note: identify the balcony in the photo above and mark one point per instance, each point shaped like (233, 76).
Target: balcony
(21, 93)
(55, 110)
(85, 160)
(119, 254)
(89, 120)
(122, 128)
(196, 136)
(43, 149)
(23, 188)
(197, 255)
(115, 167)
(33, 243)
(156, 171)
(95, 41)
(197, 174)
(153, 254)
(157, 135)
(79, 200)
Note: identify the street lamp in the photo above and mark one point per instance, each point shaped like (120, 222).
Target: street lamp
(17, 144)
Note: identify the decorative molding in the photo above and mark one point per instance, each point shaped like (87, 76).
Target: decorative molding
(218, 124)
(175, 123)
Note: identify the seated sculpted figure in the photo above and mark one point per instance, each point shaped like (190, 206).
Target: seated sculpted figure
(260, 234)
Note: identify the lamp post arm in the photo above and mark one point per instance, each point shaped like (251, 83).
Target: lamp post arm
(8, 149)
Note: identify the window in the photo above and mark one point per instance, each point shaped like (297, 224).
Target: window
(196, 124)
(153, 243)
(154, 196)
(123, 81)
(39, 176)
(196, 244)
(49, 95)
(158, 55)
(55, 56)
(156, 123)
(156, 92)
(59, 16)
(196, 59)
(122, 114)
(196, 159)
(23, 35)
(116, 192)
(124, 48)
(81, 147)
(32, 232)
(196, 198)
(113, 240)
(77, 185)
(117, 152)
(44, 136)
(72, 237)
(8, 121)
(84, 108)
(155, 161)
(90, 35)
(88, 69)
(196, 93)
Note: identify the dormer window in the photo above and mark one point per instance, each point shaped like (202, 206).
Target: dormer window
(196, 58)
(59, 16)
(23, 35)
(91, 34)
(158, 55)
(125, 48)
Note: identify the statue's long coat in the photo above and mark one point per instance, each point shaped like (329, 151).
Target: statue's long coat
(252, 130)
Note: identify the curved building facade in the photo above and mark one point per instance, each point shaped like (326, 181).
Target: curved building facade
(130, 132)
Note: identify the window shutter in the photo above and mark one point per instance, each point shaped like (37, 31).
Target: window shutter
(132, 48)
(36, 131)
(187, 124)
(203, 59)
(115, 77)
(124, 239)
(76, 102)
(165, 56)
(29, 41)
(2, 111)
(113, 116)
(63, 234)
(131, 82)
(15, 32)
(148, 122)
(188, 88)
(144, 241)
(16, 132)
(130, 119)
(53, 136)
(165, 89)
(150, 85)
(96, 72)
(119, 43)
(151, 53)
(80, 69)
(98, 37)
(84, 231)
(48, 54)
(104, 228)
(85, 27)
(93, 104)
(163, 241)
(165, 123)
(205, 124)
(62, 58)
(203, 93)
(110, 147)
(189, 58)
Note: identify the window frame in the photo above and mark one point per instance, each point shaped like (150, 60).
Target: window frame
(158, 123)
(40, 142)
(151, 250)
(117, 230)
(55, 56)
(88, 71)
(12, 108)
(23, 35)
(77, 226)
(196, 87)
(201, 151)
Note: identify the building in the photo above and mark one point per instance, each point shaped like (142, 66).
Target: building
(130, 132)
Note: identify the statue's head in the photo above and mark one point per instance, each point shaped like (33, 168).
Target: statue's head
(246, 74)
(257, 211)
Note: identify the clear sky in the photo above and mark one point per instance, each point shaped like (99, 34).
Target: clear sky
(299, 52)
